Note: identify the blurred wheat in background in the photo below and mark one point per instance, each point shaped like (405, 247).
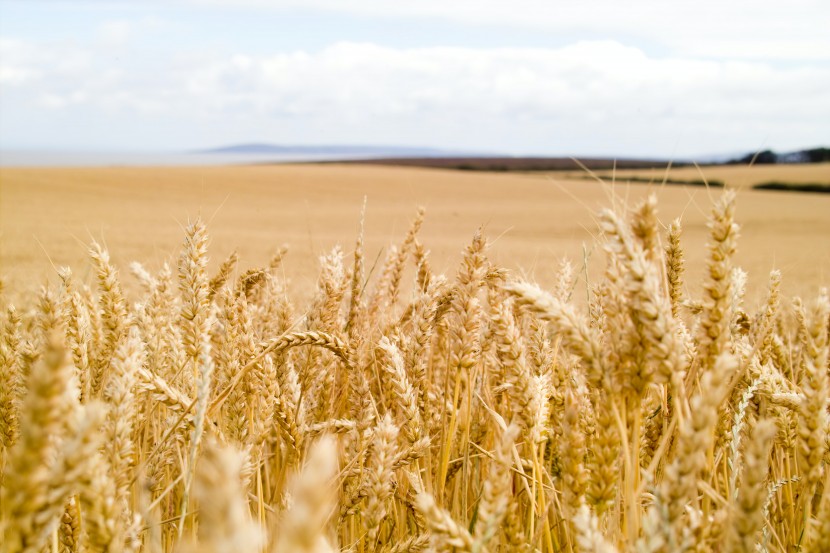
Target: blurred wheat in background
(413, 411)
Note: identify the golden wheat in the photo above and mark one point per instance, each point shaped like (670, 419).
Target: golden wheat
(468, 413)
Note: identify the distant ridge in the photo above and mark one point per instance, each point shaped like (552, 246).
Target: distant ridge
(336, 150)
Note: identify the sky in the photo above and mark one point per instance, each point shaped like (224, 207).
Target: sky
(669, 79)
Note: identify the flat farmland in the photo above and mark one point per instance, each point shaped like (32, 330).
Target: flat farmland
(48, 216)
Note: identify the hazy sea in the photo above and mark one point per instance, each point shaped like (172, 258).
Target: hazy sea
(55, 158)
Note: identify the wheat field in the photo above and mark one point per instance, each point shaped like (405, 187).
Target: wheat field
(203, 402)
(48, 216)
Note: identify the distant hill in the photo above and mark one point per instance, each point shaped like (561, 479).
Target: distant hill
(769, 157)
(334, 150)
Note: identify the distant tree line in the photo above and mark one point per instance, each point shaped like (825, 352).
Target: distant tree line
(769, 157)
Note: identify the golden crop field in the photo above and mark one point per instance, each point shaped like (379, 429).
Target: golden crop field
(438, 380)
(49, 216)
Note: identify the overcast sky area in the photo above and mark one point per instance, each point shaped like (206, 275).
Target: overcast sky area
(643, 78)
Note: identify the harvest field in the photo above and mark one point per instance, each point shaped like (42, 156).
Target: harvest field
(49, 216)
(670, 396)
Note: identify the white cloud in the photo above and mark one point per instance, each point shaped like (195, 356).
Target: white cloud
(16, 63)
(56, 101)
(587, 97)
(30, 63)
(604, 77)
(115, 33)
